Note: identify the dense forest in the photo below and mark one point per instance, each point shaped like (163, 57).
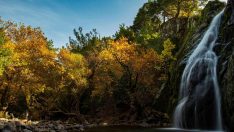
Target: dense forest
(129, 78)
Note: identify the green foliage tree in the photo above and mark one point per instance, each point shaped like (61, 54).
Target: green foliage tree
(84, 43)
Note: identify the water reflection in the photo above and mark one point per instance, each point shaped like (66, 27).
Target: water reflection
(139, 129)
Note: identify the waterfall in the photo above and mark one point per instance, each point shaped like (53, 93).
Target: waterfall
(199, 107)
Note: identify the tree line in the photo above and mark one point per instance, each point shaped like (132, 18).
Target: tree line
(93, 74)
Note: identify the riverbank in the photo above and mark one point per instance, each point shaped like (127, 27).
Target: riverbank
(17, 125)
(21, 125)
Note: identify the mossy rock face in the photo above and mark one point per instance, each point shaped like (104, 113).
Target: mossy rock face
(210, 10)
(169, 95)
(225, 69)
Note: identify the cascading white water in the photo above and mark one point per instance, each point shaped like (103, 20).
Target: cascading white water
(199, 79)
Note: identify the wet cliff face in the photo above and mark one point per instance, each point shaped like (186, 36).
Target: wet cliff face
(225, 52)
(169, 96)
(225, 71)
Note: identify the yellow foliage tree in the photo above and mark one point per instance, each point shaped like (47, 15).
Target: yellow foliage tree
(31, 64)
(75, 73)
(75, 67)
(140, 67)
(168, 47)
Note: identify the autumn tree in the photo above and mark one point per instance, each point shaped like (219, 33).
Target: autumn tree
(129, 73)
(75, 73)
(4, 52)
(6, 49)
(89, 45)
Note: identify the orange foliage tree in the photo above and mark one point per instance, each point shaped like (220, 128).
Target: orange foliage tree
(129, 68)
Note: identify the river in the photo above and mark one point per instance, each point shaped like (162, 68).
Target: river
(135, 129)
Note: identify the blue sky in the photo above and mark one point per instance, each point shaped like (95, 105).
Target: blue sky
(58, 18)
